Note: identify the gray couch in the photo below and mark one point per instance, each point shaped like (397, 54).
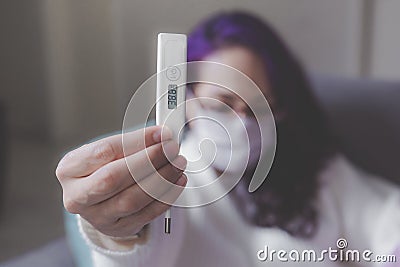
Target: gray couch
(365, 115)
(3, 152)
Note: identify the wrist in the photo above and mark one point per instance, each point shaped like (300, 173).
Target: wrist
(124, 243)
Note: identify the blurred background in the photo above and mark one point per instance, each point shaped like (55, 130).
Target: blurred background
(69, 68)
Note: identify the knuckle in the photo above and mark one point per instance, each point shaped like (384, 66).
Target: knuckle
(103, 151)
(75, 198)
(126, 205)
(60, 172)
(106, 182)
(65, 163)
(62, 169)
(70, 156)
(71, 205)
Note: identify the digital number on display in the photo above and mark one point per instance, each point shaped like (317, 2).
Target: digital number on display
(172, 96)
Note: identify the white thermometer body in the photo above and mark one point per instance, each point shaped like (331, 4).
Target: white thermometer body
(171, 82)
(171, 87)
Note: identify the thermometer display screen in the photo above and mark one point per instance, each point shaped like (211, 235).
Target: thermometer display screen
(172, 96)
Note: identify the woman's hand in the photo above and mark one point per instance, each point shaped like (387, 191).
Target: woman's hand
(97, 183)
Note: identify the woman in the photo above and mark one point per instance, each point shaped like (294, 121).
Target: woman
(312, 198)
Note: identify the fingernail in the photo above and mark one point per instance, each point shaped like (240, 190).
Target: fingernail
(182, 181)
(180, 163)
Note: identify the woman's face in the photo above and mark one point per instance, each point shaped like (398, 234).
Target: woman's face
(218, 119)
(245, 61)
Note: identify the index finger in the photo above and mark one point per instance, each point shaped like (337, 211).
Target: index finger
(86, 159)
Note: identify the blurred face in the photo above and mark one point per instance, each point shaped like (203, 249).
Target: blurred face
(245, 61)
(233, 121)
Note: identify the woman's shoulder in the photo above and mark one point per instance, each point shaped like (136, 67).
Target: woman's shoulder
(347, 179)
(369, 205)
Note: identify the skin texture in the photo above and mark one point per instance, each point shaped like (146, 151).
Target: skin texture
(95, 178)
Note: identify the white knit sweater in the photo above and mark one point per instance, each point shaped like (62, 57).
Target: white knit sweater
(352, 205)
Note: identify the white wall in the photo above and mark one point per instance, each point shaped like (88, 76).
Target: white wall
(386, 40)
(325, 34)
(22, 73)
(80, 70)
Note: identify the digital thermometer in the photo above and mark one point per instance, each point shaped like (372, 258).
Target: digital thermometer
(171, 87)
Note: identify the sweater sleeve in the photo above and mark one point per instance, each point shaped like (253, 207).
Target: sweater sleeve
(159, 249)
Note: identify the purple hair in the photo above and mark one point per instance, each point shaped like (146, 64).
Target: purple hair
(287, 198)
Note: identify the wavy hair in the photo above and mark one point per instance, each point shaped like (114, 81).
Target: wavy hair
(287, 198)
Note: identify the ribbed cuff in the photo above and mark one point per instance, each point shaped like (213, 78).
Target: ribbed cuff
(136, 255)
